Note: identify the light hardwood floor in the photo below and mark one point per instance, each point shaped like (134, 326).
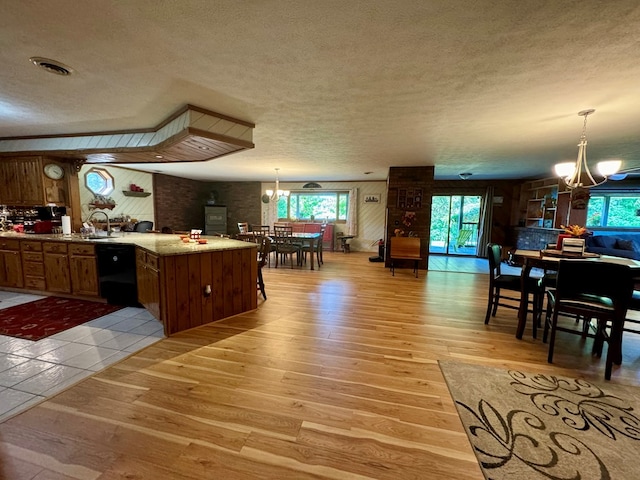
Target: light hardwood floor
(335, 376)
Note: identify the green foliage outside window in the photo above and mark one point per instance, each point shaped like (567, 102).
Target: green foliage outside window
(613, 211)
(329, 206)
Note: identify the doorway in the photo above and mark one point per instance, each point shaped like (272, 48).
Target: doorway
(454, 224)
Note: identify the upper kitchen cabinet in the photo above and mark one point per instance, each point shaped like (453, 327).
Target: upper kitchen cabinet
(32, 181)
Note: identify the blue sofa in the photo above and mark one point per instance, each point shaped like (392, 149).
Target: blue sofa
(625, 245)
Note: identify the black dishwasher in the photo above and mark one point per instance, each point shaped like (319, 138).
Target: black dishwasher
(117, 274)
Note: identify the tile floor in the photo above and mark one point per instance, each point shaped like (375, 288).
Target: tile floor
(31, 371)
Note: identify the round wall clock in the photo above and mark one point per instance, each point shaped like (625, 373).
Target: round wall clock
(53, 171)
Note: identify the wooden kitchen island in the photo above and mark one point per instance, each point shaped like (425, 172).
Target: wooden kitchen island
(183, 285)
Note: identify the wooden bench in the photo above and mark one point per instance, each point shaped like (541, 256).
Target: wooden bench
(405, 248)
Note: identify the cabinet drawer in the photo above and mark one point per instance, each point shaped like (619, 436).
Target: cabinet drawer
(54, 247)
(9, 244)
(31, 246)
(34, 269)
(32, 257)
(152, 261)
(82, 249)
(34, 282)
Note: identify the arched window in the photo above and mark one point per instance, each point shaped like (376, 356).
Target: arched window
(99, 181)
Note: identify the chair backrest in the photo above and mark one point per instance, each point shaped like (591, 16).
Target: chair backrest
(280, 232)
(577, 278)
(283, 238)
(264, 250)
(243, 227)
(143, 226)
(263, 229)
(404, 247)
(494, 254)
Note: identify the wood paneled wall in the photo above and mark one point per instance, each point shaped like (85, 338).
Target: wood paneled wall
(231, 276)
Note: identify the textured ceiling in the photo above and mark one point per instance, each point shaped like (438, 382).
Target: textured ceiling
(336, 88)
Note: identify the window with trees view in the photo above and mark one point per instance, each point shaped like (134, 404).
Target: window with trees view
(331, 206)
(614, 210)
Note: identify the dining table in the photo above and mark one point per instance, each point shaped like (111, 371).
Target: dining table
(549, 260)
(309, 238)
(305, 238)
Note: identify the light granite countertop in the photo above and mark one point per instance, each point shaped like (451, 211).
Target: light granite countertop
(159, 243)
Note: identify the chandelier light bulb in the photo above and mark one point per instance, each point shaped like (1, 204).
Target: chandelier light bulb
(609, 167)
(565, 170)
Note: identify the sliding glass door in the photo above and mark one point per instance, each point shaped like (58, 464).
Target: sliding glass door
(454, 224)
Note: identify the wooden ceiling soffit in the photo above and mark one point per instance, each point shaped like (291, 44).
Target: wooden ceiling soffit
(192, 134)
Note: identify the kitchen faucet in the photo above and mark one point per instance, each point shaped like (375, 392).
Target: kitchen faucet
(105, 216)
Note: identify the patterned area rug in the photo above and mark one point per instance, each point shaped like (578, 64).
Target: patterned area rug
(525, 426)
(50, 315)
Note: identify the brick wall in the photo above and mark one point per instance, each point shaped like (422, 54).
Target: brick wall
(532, 238)
(401, 181)
(242, 200)
(179, 202)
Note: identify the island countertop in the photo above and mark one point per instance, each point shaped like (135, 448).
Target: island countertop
(161, 244)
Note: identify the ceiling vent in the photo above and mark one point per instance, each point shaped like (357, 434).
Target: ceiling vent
(51, 66)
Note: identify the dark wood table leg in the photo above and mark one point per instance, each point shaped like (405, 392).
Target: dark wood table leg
(524, 300)
(312, 250)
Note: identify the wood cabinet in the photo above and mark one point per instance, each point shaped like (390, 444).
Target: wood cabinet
(148, 278)
(544, 203)
(10, 265)
(33, 265)
(24, 183)
(84, 269)
(181, 290)
(56, 264)
(199, 288)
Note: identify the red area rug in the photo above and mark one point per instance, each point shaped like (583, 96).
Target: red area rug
(48, 316)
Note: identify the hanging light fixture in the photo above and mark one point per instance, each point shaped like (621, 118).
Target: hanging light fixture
(277, 193)
(577, 175)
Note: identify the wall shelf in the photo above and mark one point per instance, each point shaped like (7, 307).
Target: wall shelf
(102, 206)
(130, 193)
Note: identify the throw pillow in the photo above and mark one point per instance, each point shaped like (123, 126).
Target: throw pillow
(596, 242)
(624, 244)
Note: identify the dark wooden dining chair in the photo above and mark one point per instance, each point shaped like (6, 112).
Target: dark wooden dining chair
(285, 244)
(265, 230)
(264, 252)
(499, 282)
(632, 324)
(590, 290)
(306, 248)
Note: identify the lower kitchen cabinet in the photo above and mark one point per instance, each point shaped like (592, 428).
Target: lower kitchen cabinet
(84, 269)
(33, 265)
(10, 264)
(56, 264)
(148, 278)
